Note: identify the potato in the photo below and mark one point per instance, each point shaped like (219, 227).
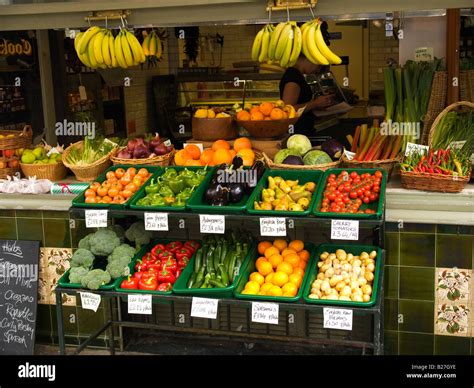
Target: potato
(338, 271)
(366, 289)
(328, 292)
(369, 276)
(325, 267)
(340, 286)
(325, 285)
(321, 276)
(357, 298)
(362, 281)
(324, 255)
(357, 291)
(313, 296)
(354, 284)
(373, 254)
(371, 267)
(366, 298)
(320, 264)
(329, 273)
(333, 281)
(364, 256)
(350, 256)
(356, 263)
(333, 297)
(346, 298)
(341, 254)
(346, 291)
(347, 267)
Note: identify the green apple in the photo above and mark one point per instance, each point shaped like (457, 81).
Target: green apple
(52, 161)
(28, 157)
(40, 153)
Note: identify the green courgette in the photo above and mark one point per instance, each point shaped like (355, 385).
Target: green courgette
(198, 260)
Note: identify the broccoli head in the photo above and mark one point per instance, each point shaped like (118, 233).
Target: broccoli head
(117, 269)
(82, 258)
(84, 243)
(119, 231)
(123, 252)
(137, 234)
(103, 242)
(77, 273)
(95, 278)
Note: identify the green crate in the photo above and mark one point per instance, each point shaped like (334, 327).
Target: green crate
(245, 274)
(377, 206)
(303, 176)
(142, 252)
(180, 287)
(355, 250)
(141, 193)
(79, 201)
(197, 204)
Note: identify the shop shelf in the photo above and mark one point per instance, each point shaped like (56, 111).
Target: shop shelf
(141, 193)
(250, 267)
(180, 287)
(302, 176)
(79, 201)
(355, 250)
(377, 206)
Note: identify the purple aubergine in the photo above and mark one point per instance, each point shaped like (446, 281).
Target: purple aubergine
(333, 148)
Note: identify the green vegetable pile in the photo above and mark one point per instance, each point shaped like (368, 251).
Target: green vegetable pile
(217, 263)
(455, 126)
(91, 151)
(172, 188)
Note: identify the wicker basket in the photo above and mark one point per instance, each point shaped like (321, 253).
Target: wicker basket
(461, 105)
(268, 129)
(214, 129)
(91, 171)
(8, 171)
(20, 139)
(161, 160)
(466, 85)
(386, 164)
(54, 171)
(281, 166)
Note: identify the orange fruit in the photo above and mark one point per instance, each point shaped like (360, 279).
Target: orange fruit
(259, 261)
(275, 291)
(263, 245)
(280, 244)
(193, 150)
(302, 264)
(269, 278)
(232, 153)
(298, 271)
(206, 157)
(290, 289)
(256, 277)
(92, 193)
(181, 157)
(255, 109)
(220, 144)
(285, 267)
(296, 279)
(266, 108)
(293, 259)
(265, 268)
(275, 260)
(252, 286)
(256, 116)
(304, 255)
(288, 251)
(192, 162)
(243, 115)
(247, 155)
(297, 245)
(276, 114)
(267, 118)
(280, 278)
(222, 156)
(269, 252)
(265, 287)
(242, 143)
(92, 199)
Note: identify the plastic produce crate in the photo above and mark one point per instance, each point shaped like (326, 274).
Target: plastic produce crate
(355, 250)
(180, 287)
(246, 271)
(79, 201)
(141, 193)
(377, 206)
(302, 176)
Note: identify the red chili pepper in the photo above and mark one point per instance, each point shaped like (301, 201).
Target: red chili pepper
(430, 170)
(174, 246)
(148, 284)
(129, 283)
(164, 287)
(438, 171)
(184, 252)
(166, 276)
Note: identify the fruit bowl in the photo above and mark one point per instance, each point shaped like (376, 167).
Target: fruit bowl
(213, 129)
(267, 129)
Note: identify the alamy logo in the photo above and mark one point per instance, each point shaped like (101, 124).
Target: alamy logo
(28, 371)
(237, 176)
(394, 128)
(75, 128)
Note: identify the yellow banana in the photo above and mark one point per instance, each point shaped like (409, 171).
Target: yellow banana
(98, 38)
(145, 44)
(159, 47)
(127, 52)
(119, 52)
(84, 58)
(106, 51)
(112, 50)
(135, 46)
(257, 45)
(286, 35)
(77, 39)
(332, 58)
(297, 44)
(274, 40)
(90, 53)
(314, 55)
(152, 44)
(84, 42)
(285, 58)
(265, 43)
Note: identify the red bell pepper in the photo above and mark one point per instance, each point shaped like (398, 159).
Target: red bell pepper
(138, 275)
(178, 273)
(183, 252)
(148, 284)
(164, 287)
(193, 245)
(174, 246)
(183, 262)
(141, 266)
(170, 265)
(166, 276)
(129, 283)
(157, 249)
(163, 256)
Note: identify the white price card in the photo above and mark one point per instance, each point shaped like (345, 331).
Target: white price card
(139, 304)
(212, 224)
(90, 301)
(457, 145)
(198, 145)
(265, 312)
(345, 230)
(418, 148)
(167, 143)
(340, 319)
(156, 221)
(204, 308)
(272, 226)
(349, 155)
(96, 218)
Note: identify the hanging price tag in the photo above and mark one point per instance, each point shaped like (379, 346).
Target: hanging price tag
(273, 226)
(349, 155)
(204, 308)
(418, 148)
(457, 145)
(96, 218)
(139, 304)
(167, 143)
(82, 93)
(90, 301)
(156, 221)
(344, 230)
(339, 319)
(265, 312)
(212, 224)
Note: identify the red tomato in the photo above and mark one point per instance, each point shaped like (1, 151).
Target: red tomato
(378, 174)
(366, 200)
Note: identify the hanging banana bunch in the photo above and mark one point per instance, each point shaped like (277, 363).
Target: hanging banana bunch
(261, 43)
(152, 47)
(283, 45)
(314, 46)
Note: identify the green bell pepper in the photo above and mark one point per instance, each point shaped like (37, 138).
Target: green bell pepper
(158, 200)
(169, 200)
(166, 191)
(169, 173)
(186, 173)
(153, 187)
(145, 201)
(176, 184)
(195, 180)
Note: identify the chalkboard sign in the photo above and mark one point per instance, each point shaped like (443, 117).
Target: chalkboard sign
(18, 296)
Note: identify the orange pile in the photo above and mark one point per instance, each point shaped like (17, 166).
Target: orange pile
(220, 152)
(267, 111)
(280, 269)
(119, 186)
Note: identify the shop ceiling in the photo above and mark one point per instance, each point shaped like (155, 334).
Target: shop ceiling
(34, 14)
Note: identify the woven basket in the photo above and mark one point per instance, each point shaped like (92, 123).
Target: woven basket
(439, 91)
(20, 139)
(268, 129)
(466, 85)
(214, 129)
(281, 166)
(387, 164)
(8, 171)
(161, 160)
(54, 171)
(456, 106)
(91, 171)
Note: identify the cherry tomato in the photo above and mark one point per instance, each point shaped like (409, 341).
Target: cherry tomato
(354, 175)
(324, 210)
(366, 200)
(353, 194)
(126, 193)
(376, 189)
(332, 197)
(332, 176)
(336, 209)
(372, 197)
(378, 174)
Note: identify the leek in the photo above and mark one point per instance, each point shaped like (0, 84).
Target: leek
(389, 81)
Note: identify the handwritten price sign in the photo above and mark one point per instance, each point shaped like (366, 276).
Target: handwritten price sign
(204, 308)
(156, 221)
(344, 230)
(139, 304)
(212, 224)
(273, 226)
(265, 312)
(339, 319)
(90, 301)
(96, 218)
